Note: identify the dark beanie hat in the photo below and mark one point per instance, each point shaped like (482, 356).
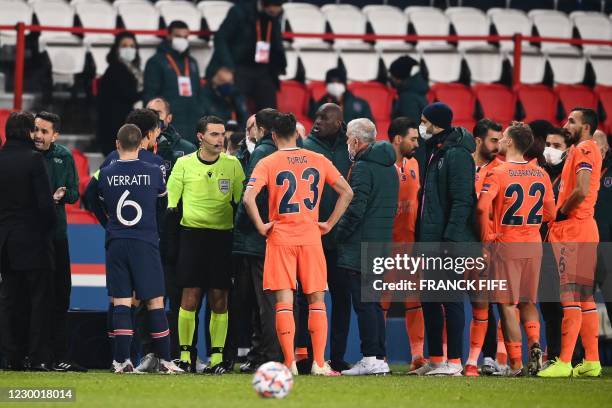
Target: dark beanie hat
(401, 67)
(335, 75)
(272, 2)
(439, 114)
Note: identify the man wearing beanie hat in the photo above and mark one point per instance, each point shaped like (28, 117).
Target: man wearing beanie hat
(249, 43)
(411, 88)
(336, 92)
(447, 207)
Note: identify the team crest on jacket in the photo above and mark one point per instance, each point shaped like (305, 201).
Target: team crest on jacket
(440, 163)
(608, 182)
(413, 174)
(224, 185)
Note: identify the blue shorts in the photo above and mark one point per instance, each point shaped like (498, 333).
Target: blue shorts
(133, 266)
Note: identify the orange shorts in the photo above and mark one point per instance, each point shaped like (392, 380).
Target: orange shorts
(285, 264)
(522, 276)
(574, 243)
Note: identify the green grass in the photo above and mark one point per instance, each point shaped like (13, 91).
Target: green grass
(102, 389)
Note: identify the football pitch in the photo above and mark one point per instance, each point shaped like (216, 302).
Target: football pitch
(102, 389)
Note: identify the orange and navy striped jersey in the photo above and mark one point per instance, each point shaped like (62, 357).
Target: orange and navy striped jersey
(295, 179)
(520, 197)
(585, 156)
(408, 202)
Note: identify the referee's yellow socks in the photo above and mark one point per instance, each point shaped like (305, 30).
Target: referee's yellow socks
(218, 333)
(186, 327)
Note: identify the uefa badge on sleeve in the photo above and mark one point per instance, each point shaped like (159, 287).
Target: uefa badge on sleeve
(608, 182)
(224, 185)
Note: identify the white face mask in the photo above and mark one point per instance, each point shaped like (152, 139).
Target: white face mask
(250, 145)
(127, 54)
(553, 156)
(423, 132)
(180, 44)
(336, 89)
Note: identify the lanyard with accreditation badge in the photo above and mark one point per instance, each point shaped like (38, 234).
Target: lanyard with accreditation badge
(184, 81)
(262, 47)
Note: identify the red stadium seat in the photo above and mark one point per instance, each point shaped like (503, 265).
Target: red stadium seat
(4, 114)
(604, 93)
(379, 96)
(316, 89)
(293, 97)
(79, 216)
(382, 126)
(539, 102)
(498, 102)
(572, 96)
(82, 166)
(461, 100)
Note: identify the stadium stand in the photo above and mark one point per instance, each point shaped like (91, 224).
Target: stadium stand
(461, 100)
(538, 102)
(496, 101)
(346, 19)
(388, 20)
(604, 94)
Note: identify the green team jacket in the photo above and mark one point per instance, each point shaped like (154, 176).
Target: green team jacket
(336, 151)
(369, 217)
(62, 173)
(247, 241)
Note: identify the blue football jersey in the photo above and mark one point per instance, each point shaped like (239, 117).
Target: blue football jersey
(130, 190)
(144, 155)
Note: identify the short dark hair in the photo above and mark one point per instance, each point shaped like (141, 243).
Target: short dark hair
(129, 137)
(177, 24)
(164, 101)
(265, 118)
(521, 135)
(231, 126)
(19, 126)
(236, 138)
(564, 133)
(146, 119)
(208, 120)
(482, 127)
(284, 125)
(540, 128)
(589, 116)
(50, 117)
(400, 126)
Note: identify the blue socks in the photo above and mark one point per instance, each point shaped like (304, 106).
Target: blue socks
(123, 331)
(160, 333)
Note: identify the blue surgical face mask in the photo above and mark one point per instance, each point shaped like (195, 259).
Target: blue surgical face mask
(225, 89)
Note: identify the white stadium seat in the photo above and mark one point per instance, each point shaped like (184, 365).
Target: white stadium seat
(214, 11)
(117, 3)
(469, 21)
(292, 65)
(181, 10)
(568, 70)
(388, 20)
(486, 67)
(202, 55)
(98, 53)
(55, 13)
(360, 66)
(603, 70)
(66, 61)
(443, 66)
(551, 23)
(510, 22)
(429, 21)
(533, 68)
(594, 26)
(317, 63)
(13, 12)
(346, 19)
(140, 16)
(97, 14)
(305, 18)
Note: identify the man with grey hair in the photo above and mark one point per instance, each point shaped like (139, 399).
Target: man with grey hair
(369, 218)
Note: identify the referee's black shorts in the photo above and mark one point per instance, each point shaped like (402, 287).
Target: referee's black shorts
(205, 259)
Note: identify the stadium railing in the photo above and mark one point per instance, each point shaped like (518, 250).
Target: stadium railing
(517, 39)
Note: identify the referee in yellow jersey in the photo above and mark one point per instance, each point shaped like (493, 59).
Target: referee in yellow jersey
(209, 183)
